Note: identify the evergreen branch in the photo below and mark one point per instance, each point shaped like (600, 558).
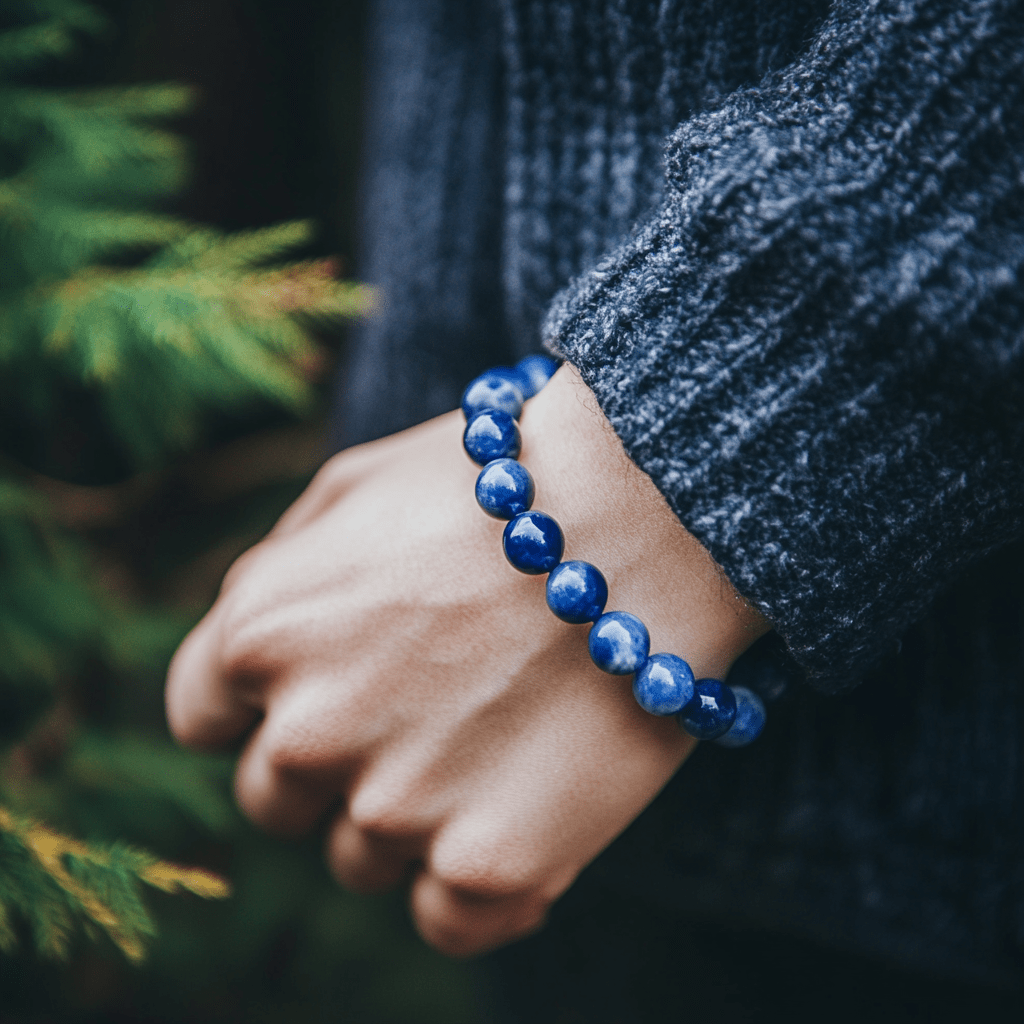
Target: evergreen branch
(48, 605)
(55, 881)
(189, 336)
(203, 250)
(169, 877)
(126, 103)
(164, 345)
(58, 238)
(87, 146)
(310, 289)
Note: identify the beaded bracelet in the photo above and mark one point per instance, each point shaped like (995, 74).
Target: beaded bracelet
(663, 684)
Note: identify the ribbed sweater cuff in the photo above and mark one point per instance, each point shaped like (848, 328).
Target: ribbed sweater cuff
(811, 348)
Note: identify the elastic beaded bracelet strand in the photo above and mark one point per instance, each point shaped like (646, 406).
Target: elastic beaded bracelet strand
(577, 592)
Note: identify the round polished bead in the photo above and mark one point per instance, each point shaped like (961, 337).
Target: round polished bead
(533, 543)
(750, 719)
(492, 391)
(619, 643)
(711, 712)
(535, 371)
(664, 684)
(576, 592)
(491, 434)
(504, 488)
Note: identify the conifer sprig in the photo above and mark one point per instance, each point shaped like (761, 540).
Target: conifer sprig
(163, 343)
(162, 320)
(54, 882)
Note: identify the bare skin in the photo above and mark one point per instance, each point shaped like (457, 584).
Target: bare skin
(413, 688)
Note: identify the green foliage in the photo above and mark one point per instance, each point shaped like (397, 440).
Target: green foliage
(154, 774)
(160, 319)
(52, 612)
(200, 325)
(41, 30)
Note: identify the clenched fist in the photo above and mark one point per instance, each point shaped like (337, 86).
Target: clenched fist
(411, 686)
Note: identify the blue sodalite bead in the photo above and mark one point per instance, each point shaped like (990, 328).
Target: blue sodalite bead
(533, 543)
(750, 719)
(491, 434)
(577, 592)
(619, 643)
(504, 488)
(711, 712)
(492, 391)
(664, 684)
(535, 371)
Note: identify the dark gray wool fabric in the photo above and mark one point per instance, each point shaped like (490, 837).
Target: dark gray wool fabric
(783, 243)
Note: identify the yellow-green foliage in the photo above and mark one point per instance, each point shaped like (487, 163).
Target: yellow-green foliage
(54, 882)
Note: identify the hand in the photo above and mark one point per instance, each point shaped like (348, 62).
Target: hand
(415, 687)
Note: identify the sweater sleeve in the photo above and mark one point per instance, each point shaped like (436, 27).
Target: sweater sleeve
(815, 347)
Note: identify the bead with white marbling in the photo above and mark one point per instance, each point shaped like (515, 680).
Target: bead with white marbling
(504, 488)
(535, 371)
(576, 592)
(492, 391)
(664, 684)
(491, 434)
(619, 643)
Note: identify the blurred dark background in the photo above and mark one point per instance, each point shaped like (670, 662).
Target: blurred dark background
(277, 131)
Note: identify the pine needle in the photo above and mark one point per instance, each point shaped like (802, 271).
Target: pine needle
(67, 881)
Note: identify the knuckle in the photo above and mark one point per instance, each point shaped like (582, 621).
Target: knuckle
(381, 813)
(239, 568)
(252, 799)
(284, 757)
(298, 744)
(247, 641)
(485, 876)
(198, 713)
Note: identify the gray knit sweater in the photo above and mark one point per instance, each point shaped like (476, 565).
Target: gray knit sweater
(783, 243)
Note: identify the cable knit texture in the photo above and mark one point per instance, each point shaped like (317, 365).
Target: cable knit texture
(788, 238)
(814, 346)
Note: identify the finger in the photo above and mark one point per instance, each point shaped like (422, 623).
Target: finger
(284, 782)
(366, 863)
(387, 825)
(459, 924)
(202, 709)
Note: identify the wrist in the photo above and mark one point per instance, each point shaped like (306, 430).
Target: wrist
(613, 516)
